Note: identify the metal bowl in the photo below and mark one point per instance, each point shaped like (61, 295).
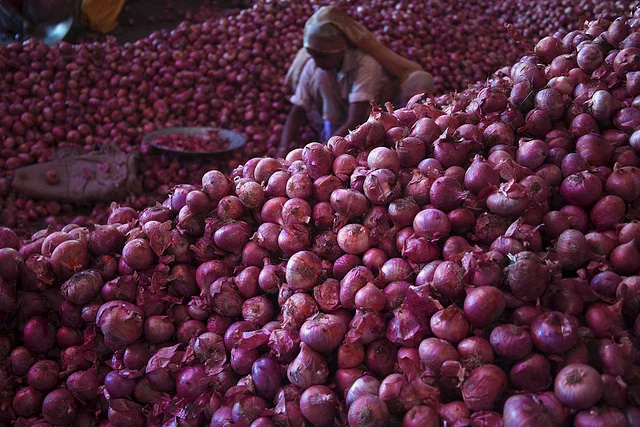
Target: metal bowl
(236, 140)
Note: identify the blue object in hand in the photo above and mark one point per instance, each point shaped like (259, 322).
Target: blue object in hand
(328, 130)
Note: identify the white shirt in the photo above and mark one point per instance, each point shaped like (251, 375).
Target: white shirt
(360, 79)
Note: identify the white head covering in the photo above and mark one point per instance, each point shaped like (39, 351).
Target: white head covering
(323, 37)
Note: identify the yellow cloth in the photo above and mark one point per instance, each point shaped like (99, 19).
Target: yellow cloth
(101, 15)
(396, 65)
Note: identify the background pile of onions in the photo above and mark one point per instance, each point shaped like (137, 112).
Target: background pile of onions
(228, 71)
(470, 259)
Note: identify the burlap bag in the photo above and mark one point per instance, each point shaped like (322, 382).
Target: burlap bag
(83, 177)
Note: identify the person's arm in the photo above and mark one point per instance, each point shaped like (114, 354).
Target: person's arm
(295, 120)
(358, 113)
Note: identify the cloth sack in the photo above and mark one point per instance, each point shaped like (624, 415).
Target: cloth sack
(83, 177)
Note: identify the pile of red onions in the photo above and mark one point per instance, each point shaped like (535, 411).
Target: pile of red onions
(493, 281)
(225, 71)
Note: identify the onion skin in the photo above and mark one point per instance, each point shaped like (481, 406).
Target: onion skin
(309, 368)
(121, 322)
(484, 387)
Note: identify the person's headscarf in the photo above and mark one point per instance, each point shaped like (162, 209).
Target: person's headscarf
(324, 37)
(328, 31)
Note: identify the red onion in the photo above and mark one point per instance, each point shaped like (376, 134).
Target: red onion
(324, 186)
(354, 239)
(603, 319)
(446, 194)
(319, 405)
(365, 385)
(485, 385)
(538, 123)
(616, 357)
(350, 354)
(527, 276)
(344, 165)
(421, 416)
(402, 211)
(59, 407)
(533, 373)
(624, 182)
(453, 411)
(627, 119)
(323, 332)
(480, 175)
(370, 297)
(554, 332)
(265, 374)
(629, 290)
(624, 258)
(411, 151)
(383, 158)
(368, 410)
(462, 220)
(299, 185)
(454, 248)
(447, 279)
(578, 386)
(296, 211)
(348, 203)
(551, 102)
(381, 187)
(600, 416)
(27, 402)
(594, 149)
(380, 357)
(308, 368)
(434, 352)
(432, 224)
(396, 269)
(510, 199)
(302, 270)
(120, 322)
(476, 350)
(426, 130)
(573, 249)
(525, 409)
(511, 341)
(449, 324)
(483, 305)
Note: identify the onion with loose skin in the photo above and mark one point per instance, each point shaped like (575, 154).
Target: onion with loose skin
(485, 385)
(121, 322)
(368, 411)
(319, 405)
(303, 269)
